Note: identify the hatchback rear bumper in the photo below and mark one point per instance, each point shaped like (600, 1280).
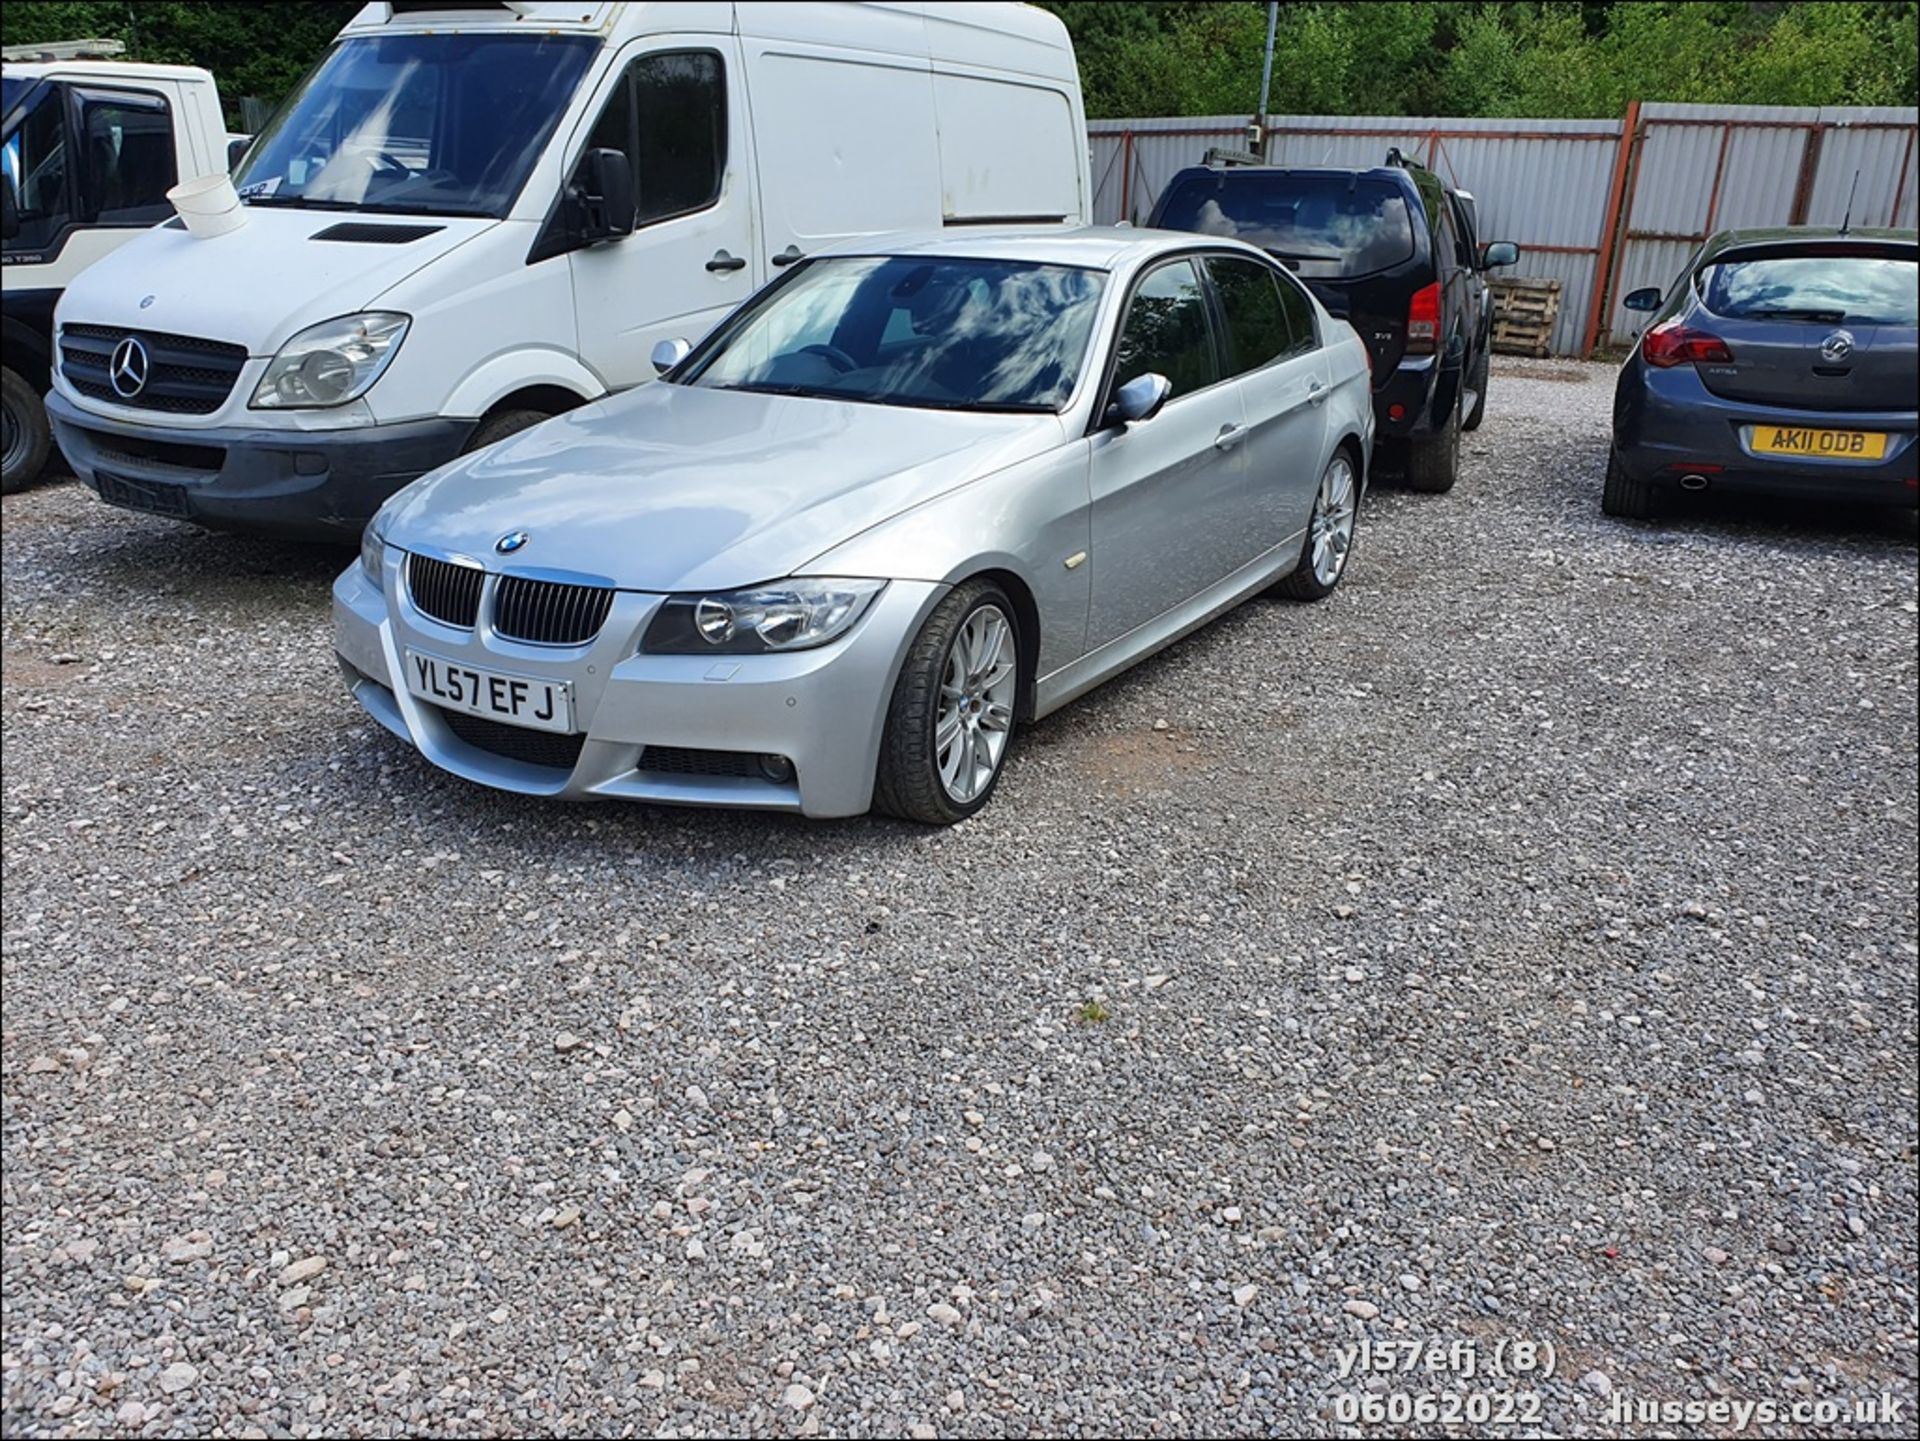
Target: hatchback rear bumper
(1671, 432)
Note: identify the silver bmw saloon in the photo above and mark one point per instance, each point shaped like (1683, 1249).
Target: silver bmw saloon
(906, 499)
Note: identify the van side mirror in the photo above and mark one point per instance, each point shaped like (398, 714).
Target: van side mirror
(604, 188)
(1139, 399)
(669, 353)
(9, 211)
(236, 148)
(1645, 299)
(1496, 253)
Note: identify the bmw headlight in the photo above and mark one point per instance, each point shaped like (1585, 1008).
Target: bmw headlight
(373, 551)
(795, 614)
(330, 363)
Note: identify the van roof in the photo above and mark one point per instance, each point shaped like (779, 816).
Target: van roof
(102, 69)
(1020, 38)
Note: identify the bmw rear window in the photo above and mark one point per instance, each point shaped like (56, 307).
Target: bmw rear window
(1327, 227)
(1825, 289)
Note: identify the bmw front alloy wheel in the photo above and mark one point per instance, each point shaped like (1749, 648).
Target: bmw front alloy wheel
(952, 718)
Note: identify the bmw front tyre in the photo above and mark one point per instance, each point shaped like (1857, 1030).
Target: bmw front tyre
(951, 720)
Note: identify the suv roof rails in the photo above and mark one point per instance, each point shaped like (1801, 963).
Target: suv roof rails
(1223, 156)
(66, 50)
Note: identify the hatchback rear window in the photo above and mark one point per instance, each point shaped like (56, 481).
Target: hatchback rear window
(1329, 227)
(1827, 289)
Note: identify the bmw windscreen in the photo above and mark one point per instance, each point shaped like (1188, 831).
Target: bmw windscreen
(941, 334)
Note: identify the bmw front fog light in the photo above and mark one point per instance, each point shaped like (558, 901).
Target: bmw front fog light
(793, 614)
(331, 363)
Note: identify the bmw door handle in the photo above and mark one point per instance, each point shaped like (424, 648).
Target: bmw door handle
(723, 263)
(1316, 392)
(1229, 437)
(788, 256)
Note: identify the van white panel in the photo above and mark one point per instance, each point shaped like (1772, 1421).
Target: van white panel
(1015, 39)
(846, 146)
(1006, 150)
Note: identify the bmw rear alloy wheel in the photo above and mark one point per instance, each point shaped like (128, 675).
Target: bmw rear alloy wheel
(1329, 538)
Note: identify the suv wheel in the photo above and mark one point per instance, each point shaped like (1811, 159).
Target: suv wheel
(27, 436)
(1433, 465)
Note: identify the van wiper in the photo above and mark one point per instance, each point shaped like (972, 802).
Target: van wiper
(298, 202)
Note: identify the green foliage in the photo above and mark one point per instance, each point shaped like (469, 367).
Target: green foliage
(1479, 57)
(259, 50)
(1202, 57)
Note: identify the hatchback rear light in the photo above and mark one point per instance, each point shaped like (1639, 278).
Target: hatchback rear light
(1674, 344)
(1423, 320)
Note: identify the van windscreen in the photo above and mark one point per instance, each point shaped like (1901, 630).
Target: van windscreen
(418, 124)
(1330, 227)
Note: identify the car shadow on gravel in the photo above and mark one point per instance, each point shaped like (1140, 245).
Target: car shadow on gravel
(156, 555)
(1788, 521)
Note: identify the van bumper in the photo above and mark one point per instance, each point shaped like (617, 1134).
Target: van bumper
(301, 485)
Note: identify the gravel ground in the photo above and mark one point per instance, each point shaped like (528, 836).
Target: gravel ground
(1520, 945)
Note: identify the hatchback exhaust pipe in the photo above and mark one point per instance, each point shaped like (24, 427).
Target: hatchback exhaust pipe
(1694, 481)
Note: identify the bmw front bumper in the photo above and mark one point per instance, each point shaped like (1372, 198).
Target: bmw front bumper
(822, 710)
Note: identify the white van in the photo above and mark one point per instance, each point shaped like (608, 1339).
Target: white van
(89, 147)
(470, 217)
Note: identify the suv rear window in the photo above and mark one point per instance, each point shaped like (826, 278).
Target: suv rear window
(1330, 227)
(1828, 289)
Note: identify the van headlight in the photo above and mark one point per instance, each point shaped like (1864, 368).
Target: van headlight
(795, 614)
(330, 363)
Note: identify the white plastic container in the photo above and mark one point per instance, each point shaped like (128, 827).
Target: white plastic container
(210, 206)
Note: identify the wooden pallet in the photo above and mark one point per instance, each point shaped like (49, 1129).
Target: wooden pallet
(1524, 311)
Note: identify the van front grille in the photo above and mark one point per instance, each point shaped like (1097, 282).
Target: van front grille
(180, 374)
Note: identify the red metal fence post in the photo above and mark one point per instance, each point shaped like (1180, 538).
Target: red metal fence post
(1126, 176)
(1609, 253)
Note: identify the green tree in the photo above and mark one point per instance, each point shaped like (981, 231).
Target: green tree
(1477, 57)
(252, 50)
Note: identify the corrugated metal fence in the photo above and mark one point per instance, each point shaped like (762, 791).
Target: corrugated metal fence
(1603, 206)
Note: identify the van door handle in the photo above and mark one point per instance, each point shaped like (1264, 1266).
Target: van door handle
(1229, 437)
(789, 256)
(1316, 392)
(724, 262)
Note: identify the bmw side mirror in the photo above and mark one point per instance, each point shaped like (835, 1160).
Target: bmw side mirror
(1646, 299)
(669, 353)
(605, 193)
(1496, 253)
(1139, 399)
(9, 212)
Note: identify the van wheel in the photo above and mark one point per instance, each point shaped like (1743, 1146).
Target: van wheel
(1624, 496)
(1477, 392)
(1433, 465)
(498, 427)
(27, 436)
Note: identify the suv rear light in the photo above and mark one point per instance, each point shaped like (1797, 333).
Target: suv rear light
(1423, 320)
(1674, 344)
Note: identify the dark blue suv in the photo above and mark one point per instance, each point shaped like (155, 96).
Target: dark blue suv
(1393, 251)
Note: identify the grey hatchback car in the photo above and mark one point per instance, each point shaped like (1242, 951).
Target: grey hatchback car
(1782, 361)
